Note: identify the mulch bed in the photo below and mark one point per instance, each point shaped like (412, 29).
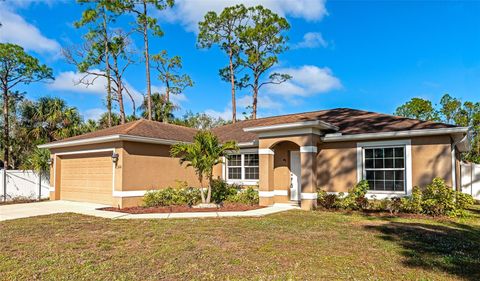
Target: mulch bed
(182, 209)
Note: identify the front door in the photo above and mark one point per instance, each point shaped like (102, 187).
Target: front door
(295, 176)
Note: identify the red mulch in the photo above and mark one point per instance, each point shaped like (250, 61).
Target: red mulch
(182, 209)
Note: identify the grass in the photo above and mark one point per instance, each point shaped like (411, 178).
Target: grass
(295, 245)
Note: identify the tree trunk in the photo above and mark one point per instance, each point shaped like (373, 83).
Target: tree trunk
(255, 98)
(107, 72)
(167, 99)
(147, 61)
(202, 194)
(120, 101)
(209, 194)
(232, 81)
(6, 141)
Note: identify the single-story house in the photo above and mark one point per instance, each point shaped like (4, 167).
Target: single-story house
(287, 156)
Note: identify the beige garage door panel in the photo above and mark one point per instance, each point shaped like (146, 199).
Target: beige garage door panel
(87, 178)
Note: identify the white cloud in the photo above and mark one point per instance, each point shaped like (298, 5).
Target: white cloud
(190, 12)
(264, 101)
(311, 40)
(69, 81)
(93, 113)
(16, 30)
(226, 114)
(307, 80)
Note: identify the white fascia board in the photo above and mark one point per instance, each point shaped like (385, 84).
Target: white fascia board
(108, 139)
(410, 133)
(295, 125)
(248, 144)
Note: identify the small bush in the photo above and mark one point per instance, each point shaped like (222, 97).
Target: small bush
(463, 201)
(394, 205)
(355, 200)
(413, 203)
(221, 191)
(172, 196)
(248, 196)
(327, 201)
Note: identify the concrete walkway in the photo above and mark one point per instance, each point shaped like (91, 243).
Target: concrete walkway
(17, 211)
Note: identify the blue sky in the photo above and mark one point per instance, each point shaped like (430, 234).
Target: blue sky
(372, 55)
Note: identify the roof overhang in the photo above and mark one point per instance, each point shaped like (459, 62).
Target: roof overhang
(107, 139)
(314, 126)
(457, 133)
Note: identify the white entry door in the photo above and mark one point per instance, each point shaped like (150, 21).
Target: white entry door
(295, 176)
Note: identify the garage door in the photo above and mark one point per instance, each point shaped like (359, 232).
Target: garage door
(86, 178)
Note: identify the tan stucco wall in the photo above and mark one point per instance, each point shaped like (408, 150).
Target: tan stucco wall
(337, 166)
(337, 163)
(301, 140)
(431, 158)
(150, 166)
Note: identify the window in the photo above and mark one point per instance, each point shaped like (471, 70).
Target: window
(235, 167)
(384, 168)
(242, 167)
(251, 166)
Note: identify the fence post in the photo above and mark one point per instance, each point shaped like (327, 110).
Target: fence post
(4, 184)
(39, 186)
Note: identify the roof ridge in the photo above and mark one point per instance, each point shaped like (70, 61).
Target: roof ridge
(135, 124)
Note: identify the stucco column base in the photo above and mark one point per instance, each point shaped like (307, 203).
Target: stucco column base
(309, 204)
(282, 199)
(266, 201)
(53, 196)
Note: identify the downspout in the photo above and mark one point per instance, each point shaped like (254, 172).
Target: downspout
(454, 156)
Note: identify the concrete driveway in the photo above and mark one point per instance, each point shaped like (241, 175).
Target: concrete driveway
(18, 211)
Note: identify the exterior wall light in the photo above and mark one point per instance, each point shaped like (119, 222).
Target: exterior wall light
(50, 161)
(115, 158)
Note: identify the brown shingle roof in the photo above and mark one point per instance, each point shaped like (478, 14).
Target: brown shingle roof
(349, 121)
(143, 128)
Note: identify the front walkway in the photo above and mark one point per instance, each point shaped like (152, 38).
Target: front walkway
(18, 211)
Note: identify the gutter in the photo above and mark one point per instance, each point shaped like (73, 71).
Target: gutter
(106, 139)
(410, 133)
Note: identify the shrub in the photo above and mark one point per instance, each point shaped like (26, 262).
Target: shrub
(327, 201)
(248, 196)
(413, 203)
(355, 200)
(221, 191)
(438, 198)
(394, 205)
(463, 201)
(172, 196)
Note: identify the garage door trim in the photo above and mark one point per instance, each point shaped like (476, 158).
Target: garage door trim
(82, 152)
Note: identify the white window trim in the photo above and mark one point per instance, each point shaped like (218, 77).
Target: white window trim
(408, 164)
(241, 181)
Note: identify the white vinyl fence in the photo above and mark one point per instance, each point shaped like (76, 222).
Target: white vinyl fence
(471, 179)
(23, 184)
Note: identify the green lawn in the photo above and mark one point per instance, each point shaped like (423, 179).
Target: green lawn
(293, 245)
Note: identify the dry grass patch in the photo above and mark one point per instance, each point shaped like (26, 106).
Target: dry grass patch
(292, 245)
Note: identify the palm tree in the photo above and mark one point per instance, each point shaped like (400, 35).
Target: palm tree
(89, 126)
(202, 155)
(104, 123)
(38, 161)
(161, 108)
(51, 119)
